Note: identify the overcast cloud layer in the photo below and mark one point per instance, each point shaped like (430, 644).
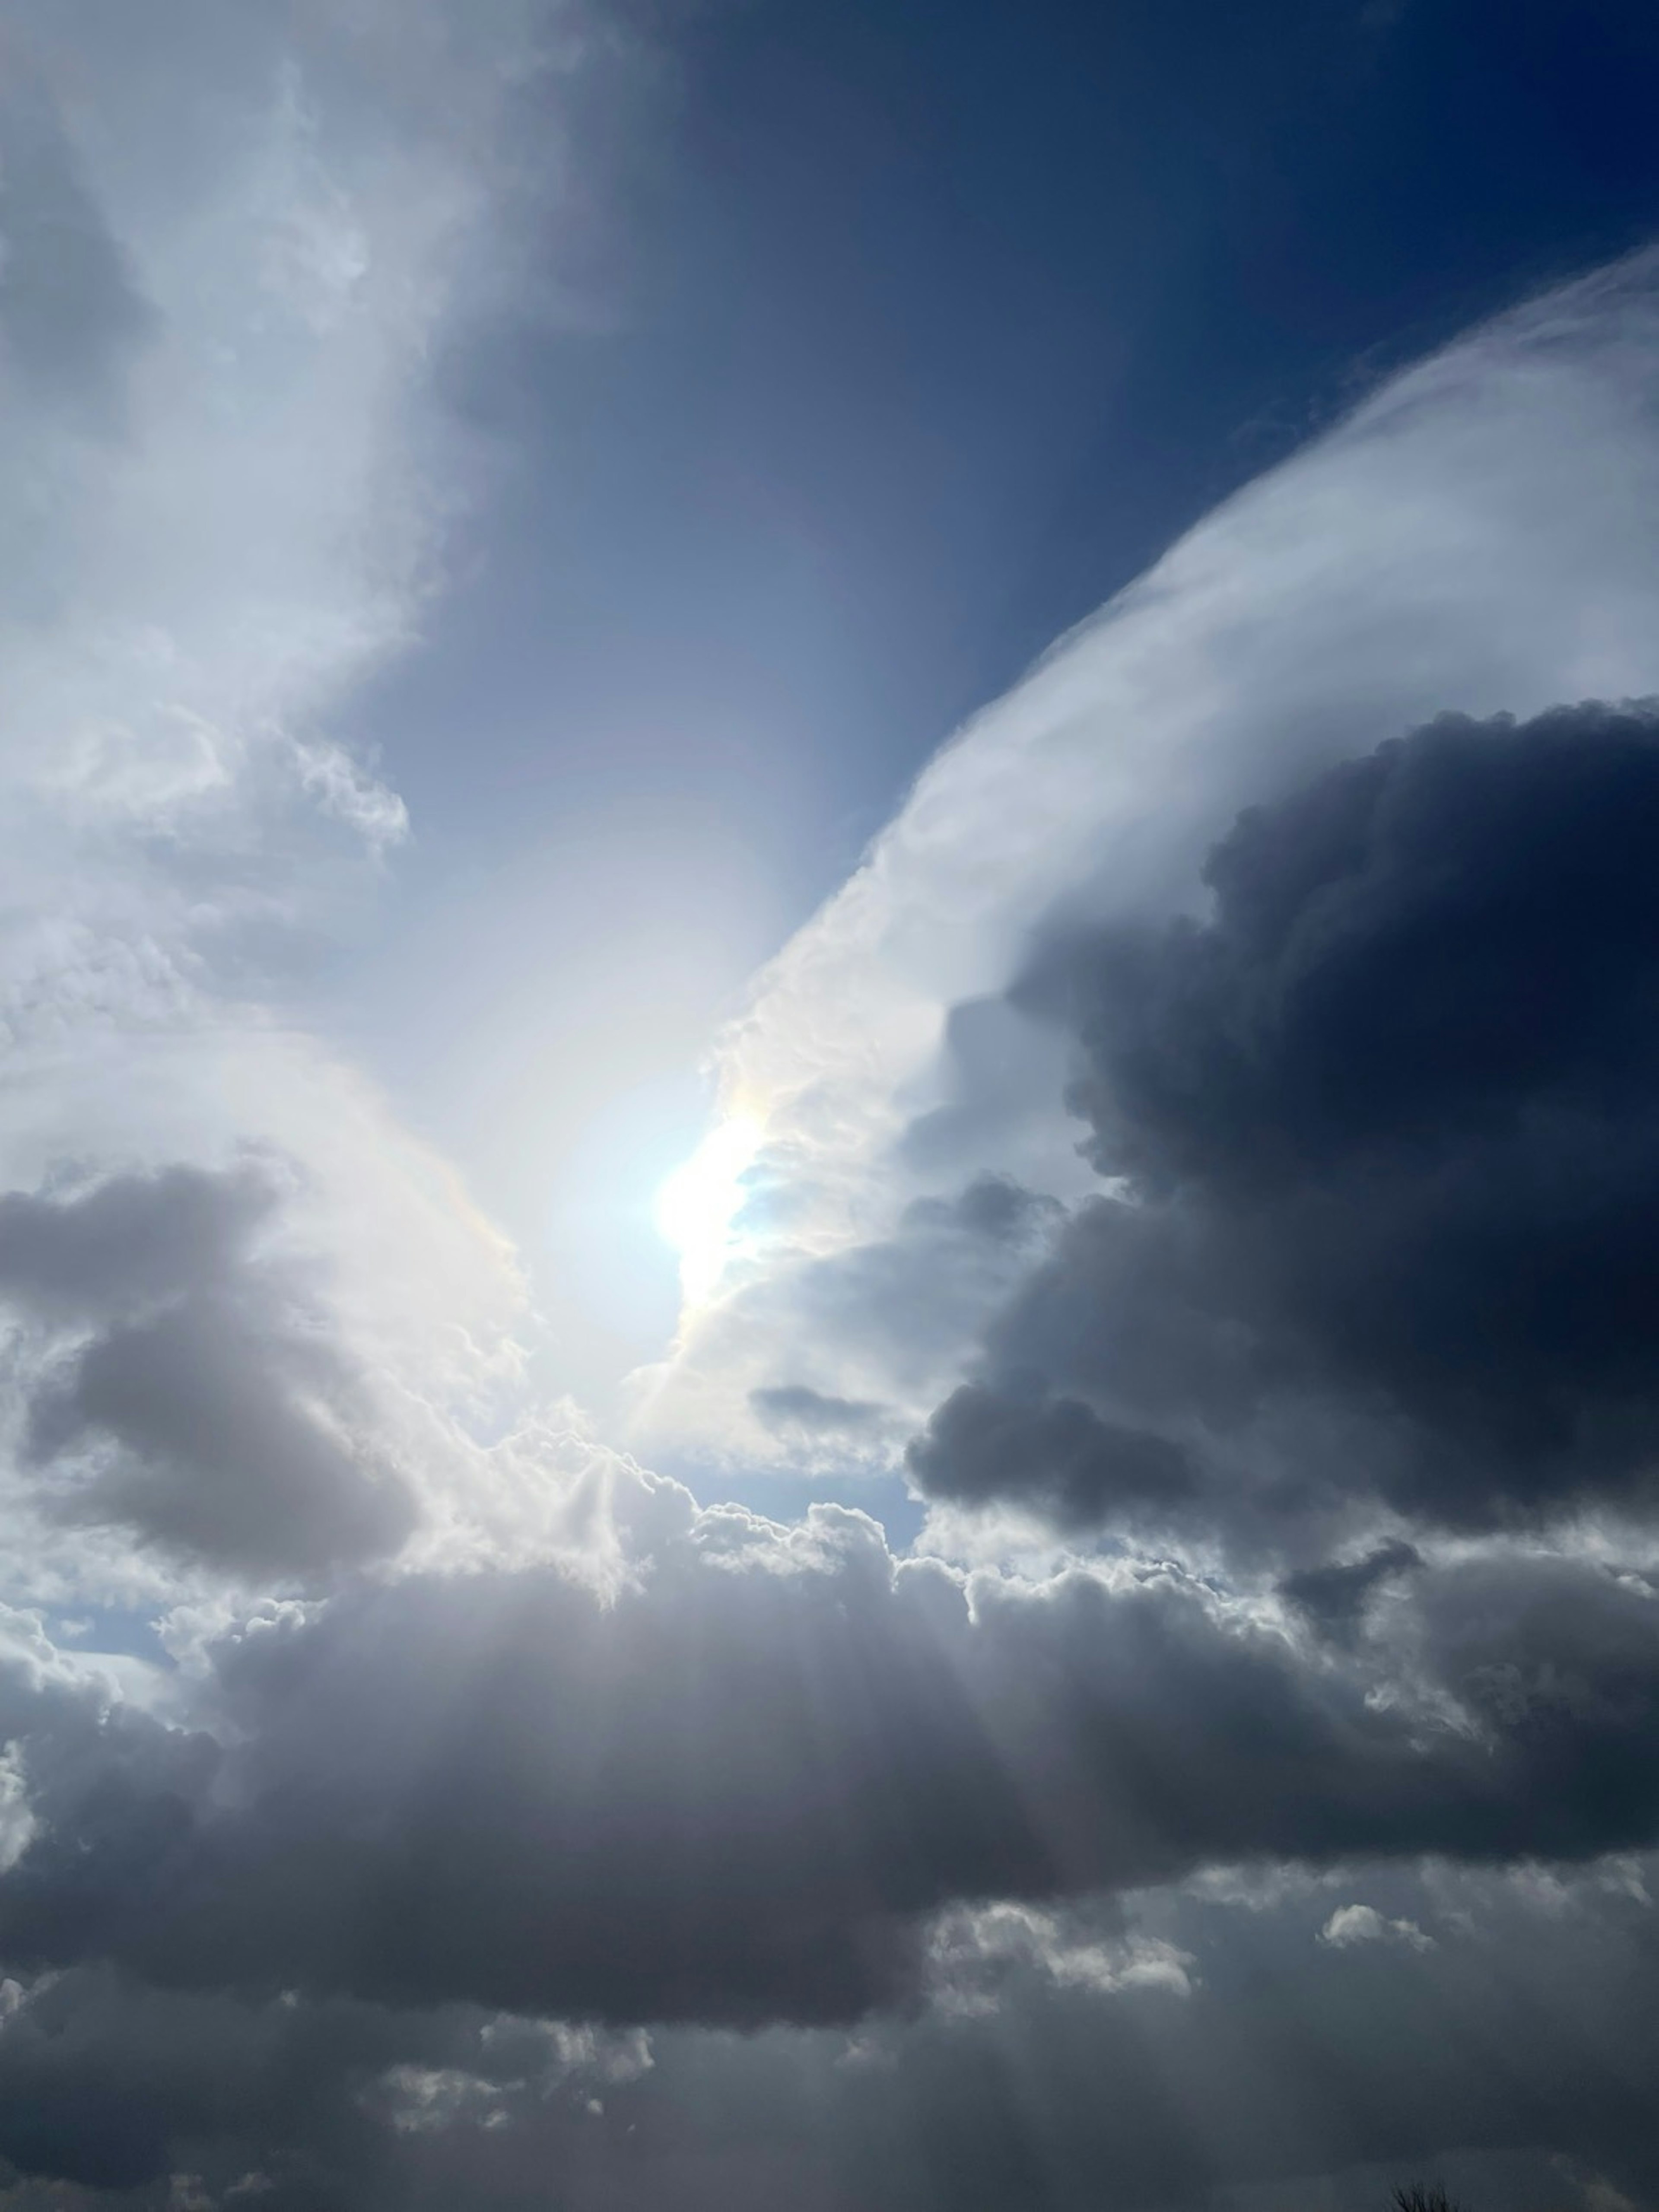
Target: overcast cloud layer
(1207, 1152)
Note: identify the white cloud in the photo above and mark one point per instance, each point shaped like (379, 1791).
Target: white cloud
(1363, 1924)
(220, 452)
(973, 1951)
(17, 1824)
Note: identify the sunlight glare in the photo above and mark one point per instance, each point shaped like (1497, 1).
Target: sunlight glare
(698, 1205)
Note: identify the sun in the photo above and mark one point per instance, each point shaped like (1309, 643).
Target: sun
(697, 1207)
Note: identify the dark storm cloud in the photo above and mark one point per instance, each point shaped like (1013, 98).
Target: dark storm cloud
(1033, 2101)
(733, 1793)
(1335, 1596)
(1387, 1124)
(112, 2086)
(1285, 2057)
(188, 1388)
(1519, 2028)
(1435, 943)
(1075, 1468)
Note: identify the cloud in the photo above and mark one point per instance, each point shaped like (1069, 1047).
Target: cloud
(112, 2087)
(71, 319)
(229, 255)
(796, 1405)
(474, 1786)
(1364, 1923)
(1335, 1596)
(210, 1409)
(1379, 1135)
(405, 1792)
(1479, 536)
(890, 1317)
(130, 1241)
(1057, 1457)
(736, 1790)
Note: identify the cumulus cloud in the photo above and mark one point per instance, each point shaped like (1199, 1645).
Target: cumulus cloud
(193, 2053)
(1057, 1456)
(232, 246)
(1378, 1137)
(737, 1789)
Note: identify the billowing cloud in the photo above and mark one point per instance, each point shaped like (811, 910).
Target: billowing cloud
(423, 1820)
(1057, 1455)
(1379, 1136)
(210, 1408)
(735, 1791)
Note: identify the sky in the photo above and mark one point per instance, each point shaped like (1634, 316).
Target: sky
(828, 1194)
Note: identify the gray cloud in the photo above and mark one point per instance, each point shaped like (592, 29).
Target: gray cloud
(1383, 1128)
(130, 1241)
(880, 1325)
(193, 1391)
(782, 1782)
(735, 1793)
(1074, 1468)
(497, 1788)
(114, 2087)
(796, 1405)
(1335, 1596)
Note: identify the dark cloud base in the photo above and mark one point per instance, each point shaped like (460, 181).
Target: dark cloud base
(735, 1796)
(1384, 1133)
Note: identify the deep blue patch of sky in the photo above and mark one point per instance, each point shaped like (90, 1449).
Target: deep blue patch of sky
(934, 319)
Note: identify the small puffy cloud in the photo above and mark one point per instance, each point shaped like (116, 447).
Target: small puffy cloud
(973, 1952)
(1364, 1923)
